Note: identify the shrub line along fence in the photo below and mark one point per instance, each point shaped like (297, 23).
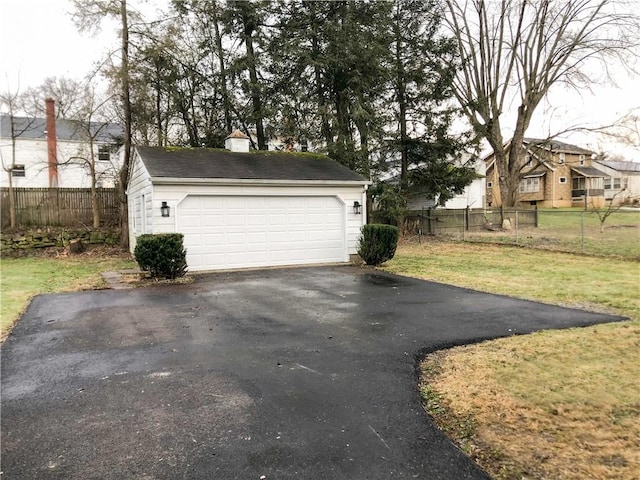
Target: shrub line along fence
(59, 207)
(454, 221)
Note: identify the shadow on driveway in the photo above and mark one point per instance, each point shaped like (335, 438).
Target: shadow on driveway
(305, 373)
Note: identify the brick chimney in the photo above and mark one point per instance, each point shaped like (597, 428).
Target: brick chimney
(52, 142)
(237, 142)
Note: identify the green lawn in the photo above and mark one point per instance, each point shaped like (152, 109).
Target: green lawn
(571, 218)
(606, 284)
(562, 230)
(22, 278)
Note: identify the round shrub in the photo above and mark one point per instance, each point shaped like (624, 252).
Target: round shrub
(162, 255)
(377, 243)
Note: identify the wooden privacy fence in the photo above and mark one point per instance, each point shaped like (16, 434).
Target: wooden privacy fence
(452, 221)
(59, 207)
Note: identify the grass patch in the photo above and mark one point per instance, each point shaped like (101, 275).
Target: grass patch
(23, 278)
(561, 230)
(601, 284)
(554, 404)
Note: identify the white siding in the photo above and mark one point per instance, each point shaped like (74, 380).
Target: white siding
(628, 180)
(472, 197)
(72, 172)
(140, 202)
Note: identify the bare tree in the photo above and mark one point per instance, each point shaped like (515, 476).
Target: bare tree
(9, 100)
(607, 210)
(93, 133)
(513, 52)
(68, 93)
(88, 15)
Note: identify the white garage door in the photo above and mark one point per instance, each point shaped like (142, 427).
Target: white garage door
(223, 232)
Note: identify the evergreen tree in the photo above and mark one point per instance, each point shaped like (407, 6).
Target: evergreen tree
(422, 71)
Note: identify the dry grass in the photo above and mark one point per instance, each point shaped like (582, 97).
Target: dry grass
(552, 405)
(545, 405)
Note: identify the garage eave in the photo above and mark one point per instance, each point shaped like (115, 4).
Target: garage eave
(255, 181)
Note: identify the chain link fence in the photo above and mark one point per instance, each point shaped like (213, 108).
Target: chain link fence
(595, 232)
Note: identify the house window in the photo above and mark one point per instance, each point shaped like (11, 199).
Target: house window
(489, 184)
(563, 179)
(18, 171)
(527, 161)
(612, 183)
(562, 158)
(530, 185)
(582, 159)
(104, 153)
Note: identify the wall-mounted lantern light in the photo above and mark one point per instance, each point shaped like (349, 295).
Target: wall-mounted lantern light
(357, 208)
(164, 209)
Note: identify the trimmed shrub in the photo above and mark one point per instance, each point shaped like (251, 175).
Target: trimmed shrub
(162, 255)
(377, 243)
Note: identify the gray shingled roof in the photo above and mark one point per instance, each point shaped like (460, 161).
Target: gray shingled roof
(556, 146)
(589, 172)
(621, 166)
(69, 130)
(207, 163)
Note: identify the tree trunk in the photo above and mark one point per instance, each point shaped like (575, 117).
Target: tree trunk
(325, 127)
(12, 201)
(256, 101)
(12, 193)
(95, 206)
(159, 103)
(223, 73)
(363, 130)
(402, 112)
(126, 104)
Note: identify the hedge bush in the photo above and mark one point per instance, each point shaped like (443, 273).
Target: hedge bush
(377, 243)
(162, 255)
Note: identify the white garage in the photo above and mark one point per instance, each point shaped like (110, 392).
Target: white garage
(240, 209)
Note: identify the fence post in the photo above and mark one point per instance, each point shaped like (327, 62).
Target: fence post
(467, 217)
(582, 231)
(432, 228)
(464, 223)
(536, 215)
(516, 226)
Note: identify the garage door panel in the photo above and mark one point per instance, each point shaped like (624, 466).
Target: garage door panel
(256, 220)
(256, 238)
(235, 232)
(212, 220)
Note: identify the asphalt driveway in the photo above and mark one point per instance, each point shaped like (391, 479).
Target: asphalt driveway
(305, 373)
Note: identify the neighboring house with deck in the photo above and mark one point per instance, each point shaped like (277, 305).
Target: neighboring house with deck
(52, 152)
(554, 174)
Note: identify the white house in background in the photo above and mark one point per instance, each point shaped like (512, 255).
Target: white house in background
(239, 209)
(622, 183)
(473, 195)
(52, 152)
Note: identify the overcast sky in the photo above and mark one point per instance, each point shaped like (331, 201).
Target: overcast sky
(39, 40)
